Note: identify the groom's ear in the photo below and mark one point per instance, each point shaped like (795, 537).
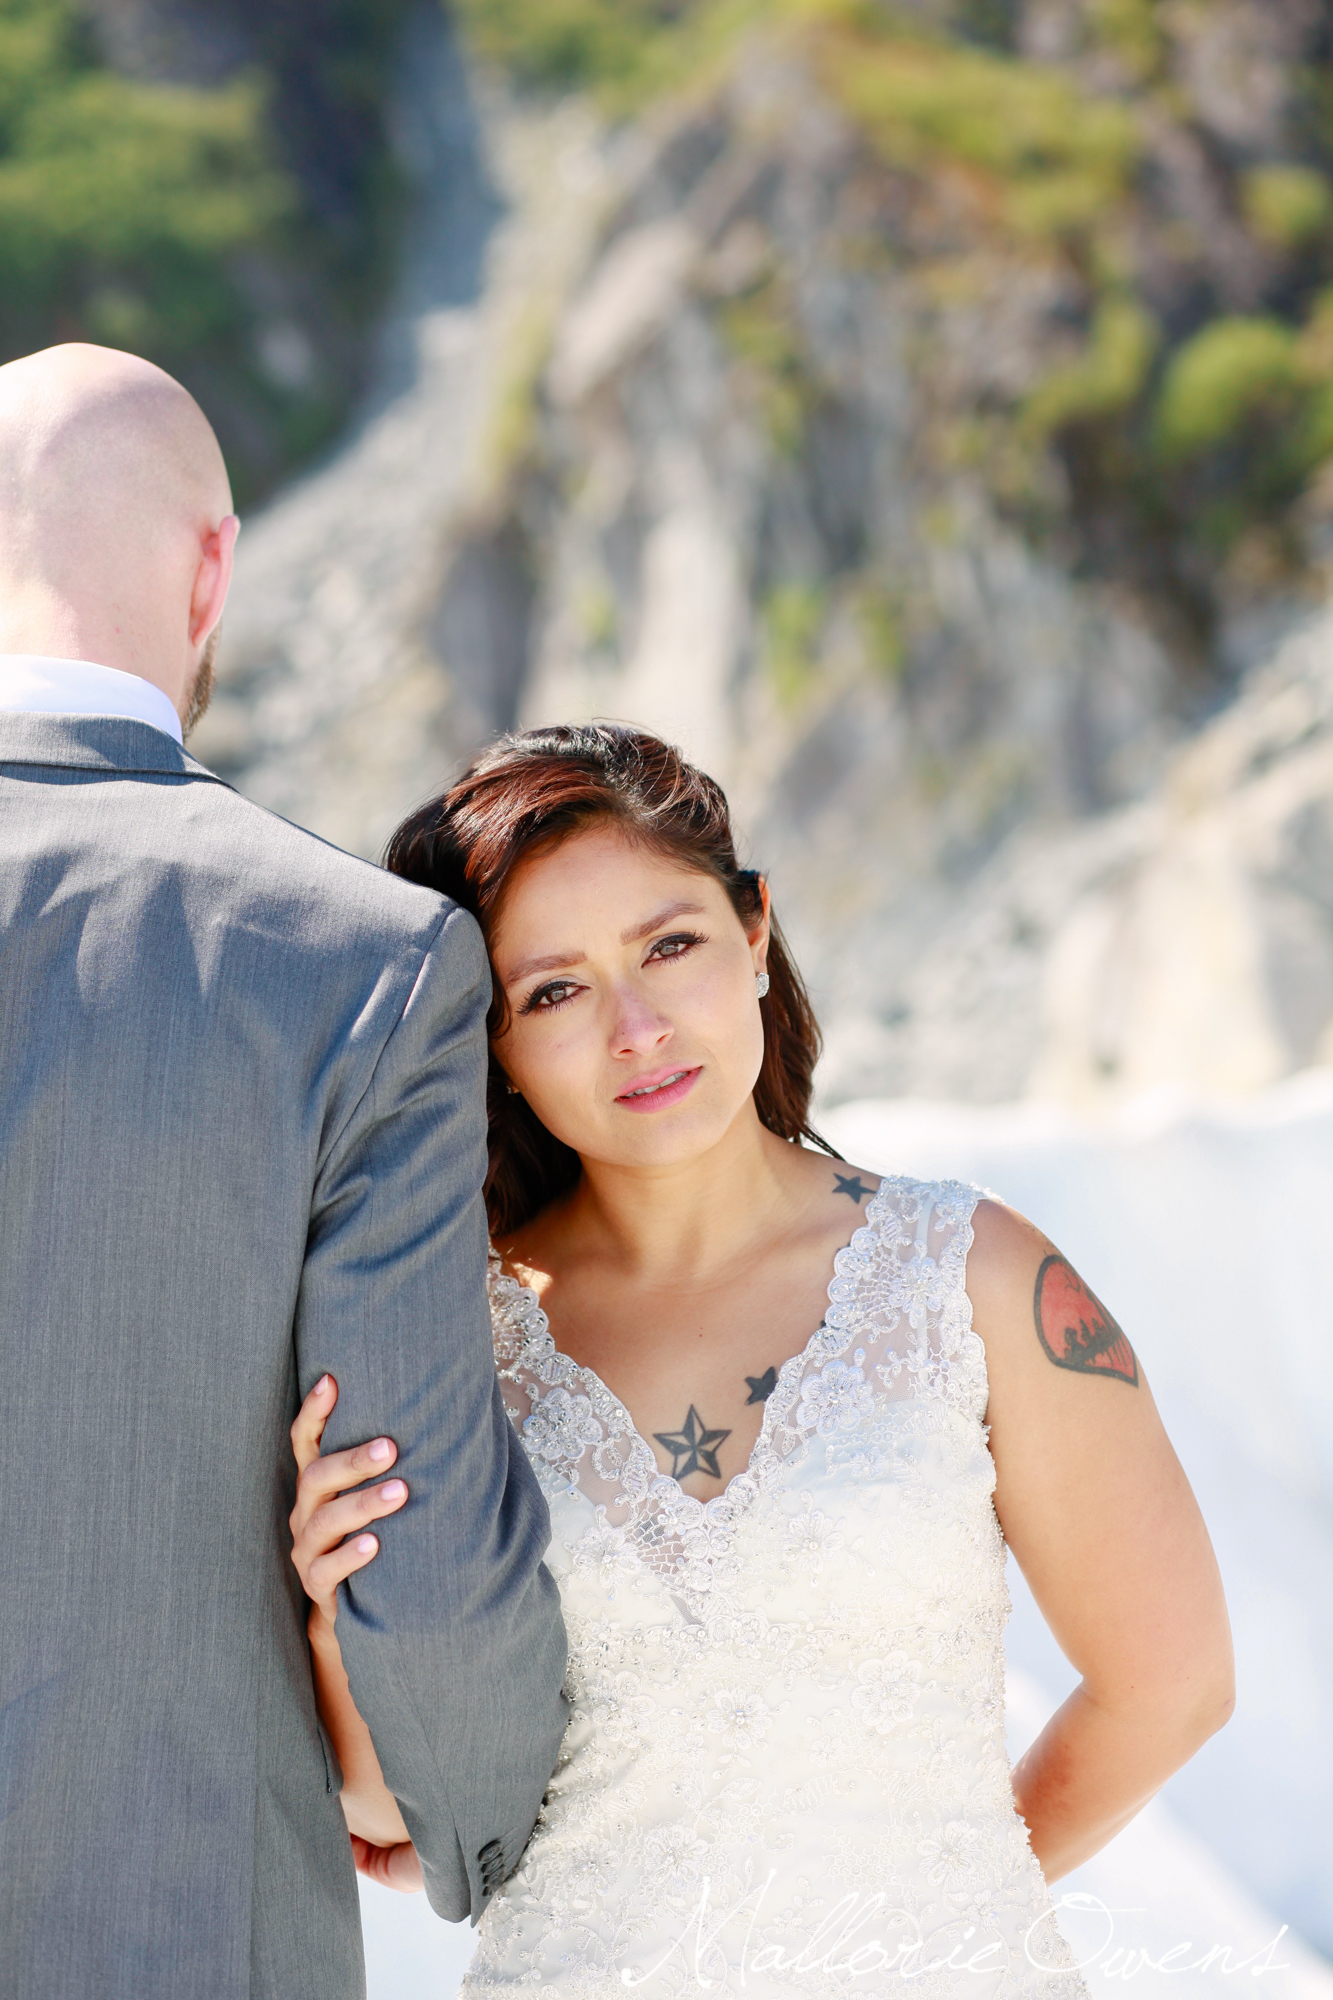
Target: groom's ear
(212, 579)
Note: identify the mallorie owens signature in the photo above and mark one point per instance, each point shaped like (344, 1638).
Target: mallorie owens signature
(1127, 1960)
(908, 1957)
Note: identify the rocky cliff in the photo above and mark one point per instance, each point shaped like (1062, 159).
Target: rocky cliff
(736, 419)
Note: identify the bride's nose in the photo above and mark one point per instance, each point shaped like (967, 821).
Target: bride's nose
(638, 1027)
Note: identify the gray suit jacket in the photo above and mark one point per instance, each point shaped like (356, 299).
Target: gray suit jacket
(241, 1141)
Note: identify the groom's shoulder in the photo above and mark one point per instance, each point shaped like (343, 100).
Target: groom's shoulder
(322, 893)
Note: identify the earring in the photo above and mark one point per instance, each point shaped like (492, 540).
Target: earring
(512, 1088)
(761, 984)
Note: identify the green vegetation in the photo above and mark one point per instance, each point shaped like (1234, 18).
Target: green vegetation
(167, 220)
(879, 615)
(793, 621)
(242, 236)
(761, 331)
(1245, 415)
(119, 197)
(1055, 159)
(513, 422)
(1286, 205)
(597, 613)
(1108, 378)
(1177, 430)
(1177, 445)
(1132, 30)
(627, 51)
(575, 43)
(1233, 371)
(923, 99)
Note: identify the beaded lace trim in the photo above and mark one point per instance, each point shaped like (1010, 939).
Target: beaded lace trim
(898, 1325)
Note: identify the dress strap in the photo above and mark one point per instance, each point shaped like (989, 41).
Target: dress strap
(921, 1241)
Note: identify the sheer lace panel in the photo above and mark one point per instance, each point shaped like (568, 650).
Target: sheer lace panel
(898, 1325)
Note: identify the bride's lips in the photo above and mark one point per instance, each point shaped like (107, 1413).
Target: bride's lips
(654, 1093)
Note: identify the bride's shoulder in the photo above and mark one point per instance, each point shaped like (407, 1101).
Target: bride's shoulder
(509, 1270)
(1002, 1242)
(530, 1254)
(1004, 1261)
(1002, 1238)
(840, 1185)
(837, 1194)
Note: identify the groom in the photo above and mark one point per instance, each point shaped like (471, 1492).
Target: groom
(242, 1140)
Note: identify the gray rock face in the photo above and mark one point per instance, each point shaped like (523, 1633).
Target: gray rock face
(1185, 940)
(677, 458)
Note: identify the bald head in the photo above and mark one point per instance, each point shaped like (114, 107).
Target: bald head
(116, 525)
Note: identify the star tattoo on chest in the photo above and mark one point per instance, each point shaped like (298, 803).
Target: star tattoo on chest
(852, 1186)
(693, 1447)
(762, 1386)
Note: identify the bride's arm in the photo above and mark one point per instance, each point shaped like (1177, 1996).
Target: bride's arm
(1101, 1520)
(326, 1549)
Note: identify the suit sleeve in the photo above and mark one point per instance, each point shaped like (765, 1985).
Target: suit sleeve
(452, 1638)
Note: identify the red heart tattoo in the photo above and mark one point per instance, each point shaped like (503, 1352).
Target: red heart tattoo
(1075, 1328)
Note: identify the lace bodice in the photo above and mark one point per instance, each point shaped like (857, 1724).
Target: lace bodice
(785, 1769)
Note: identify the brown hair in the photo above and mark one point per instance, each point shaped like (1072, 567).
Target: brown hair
(534, 789)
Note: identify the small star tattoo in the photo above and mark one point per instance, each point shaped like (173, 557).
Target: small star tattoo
(693, 1444)
(762, 1386)
(852, 1185)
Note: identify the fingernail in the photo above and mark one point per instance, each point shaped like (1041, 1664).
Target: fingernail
(393, 1491)
(321, 1385)
(367, 1545)
(380, 1450)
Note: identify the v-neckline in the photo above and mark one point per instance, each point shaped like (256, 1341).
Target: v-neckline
(790, 1371)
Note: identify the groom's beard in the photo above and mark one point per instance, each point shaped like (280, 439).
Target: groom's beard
(202, 691)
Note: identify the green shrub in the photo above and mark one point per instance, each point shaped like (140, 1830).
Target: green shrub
(879, 615)
(1232, 370)
(512, 427)
(161, 218)
(575, 43)
(1286, 205)
(1107, 380)
(760, 331)
(1060, 158)
(625, 51)
(1313, 442)
(793, 619)
(122, 197)
(598, 614)
(1132, 29)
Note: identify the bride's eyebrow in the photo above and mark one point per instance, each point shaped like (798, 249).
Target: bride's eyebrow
(561, 961)
(557, 961)
(665, 916)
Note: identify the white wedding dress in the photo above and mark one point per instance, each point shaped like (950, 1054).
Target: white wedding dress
(785, 1769)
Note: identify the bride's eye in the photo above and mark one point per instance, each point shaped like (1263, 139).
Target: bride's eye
(676, 945)
(556, 993)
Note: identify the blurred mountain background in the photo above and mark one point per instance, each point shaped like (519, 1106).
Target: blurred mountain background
(923, 412)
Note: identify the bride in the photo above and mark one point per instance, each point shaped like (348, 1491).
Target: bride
(788, 1416)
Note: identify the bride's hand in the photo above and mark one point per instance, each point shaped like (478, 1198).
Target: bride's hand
(325, 1545)
(394, 1867)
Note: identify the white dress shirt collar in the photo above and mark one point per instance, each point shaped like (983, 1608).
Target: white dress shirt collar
(33, 684)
